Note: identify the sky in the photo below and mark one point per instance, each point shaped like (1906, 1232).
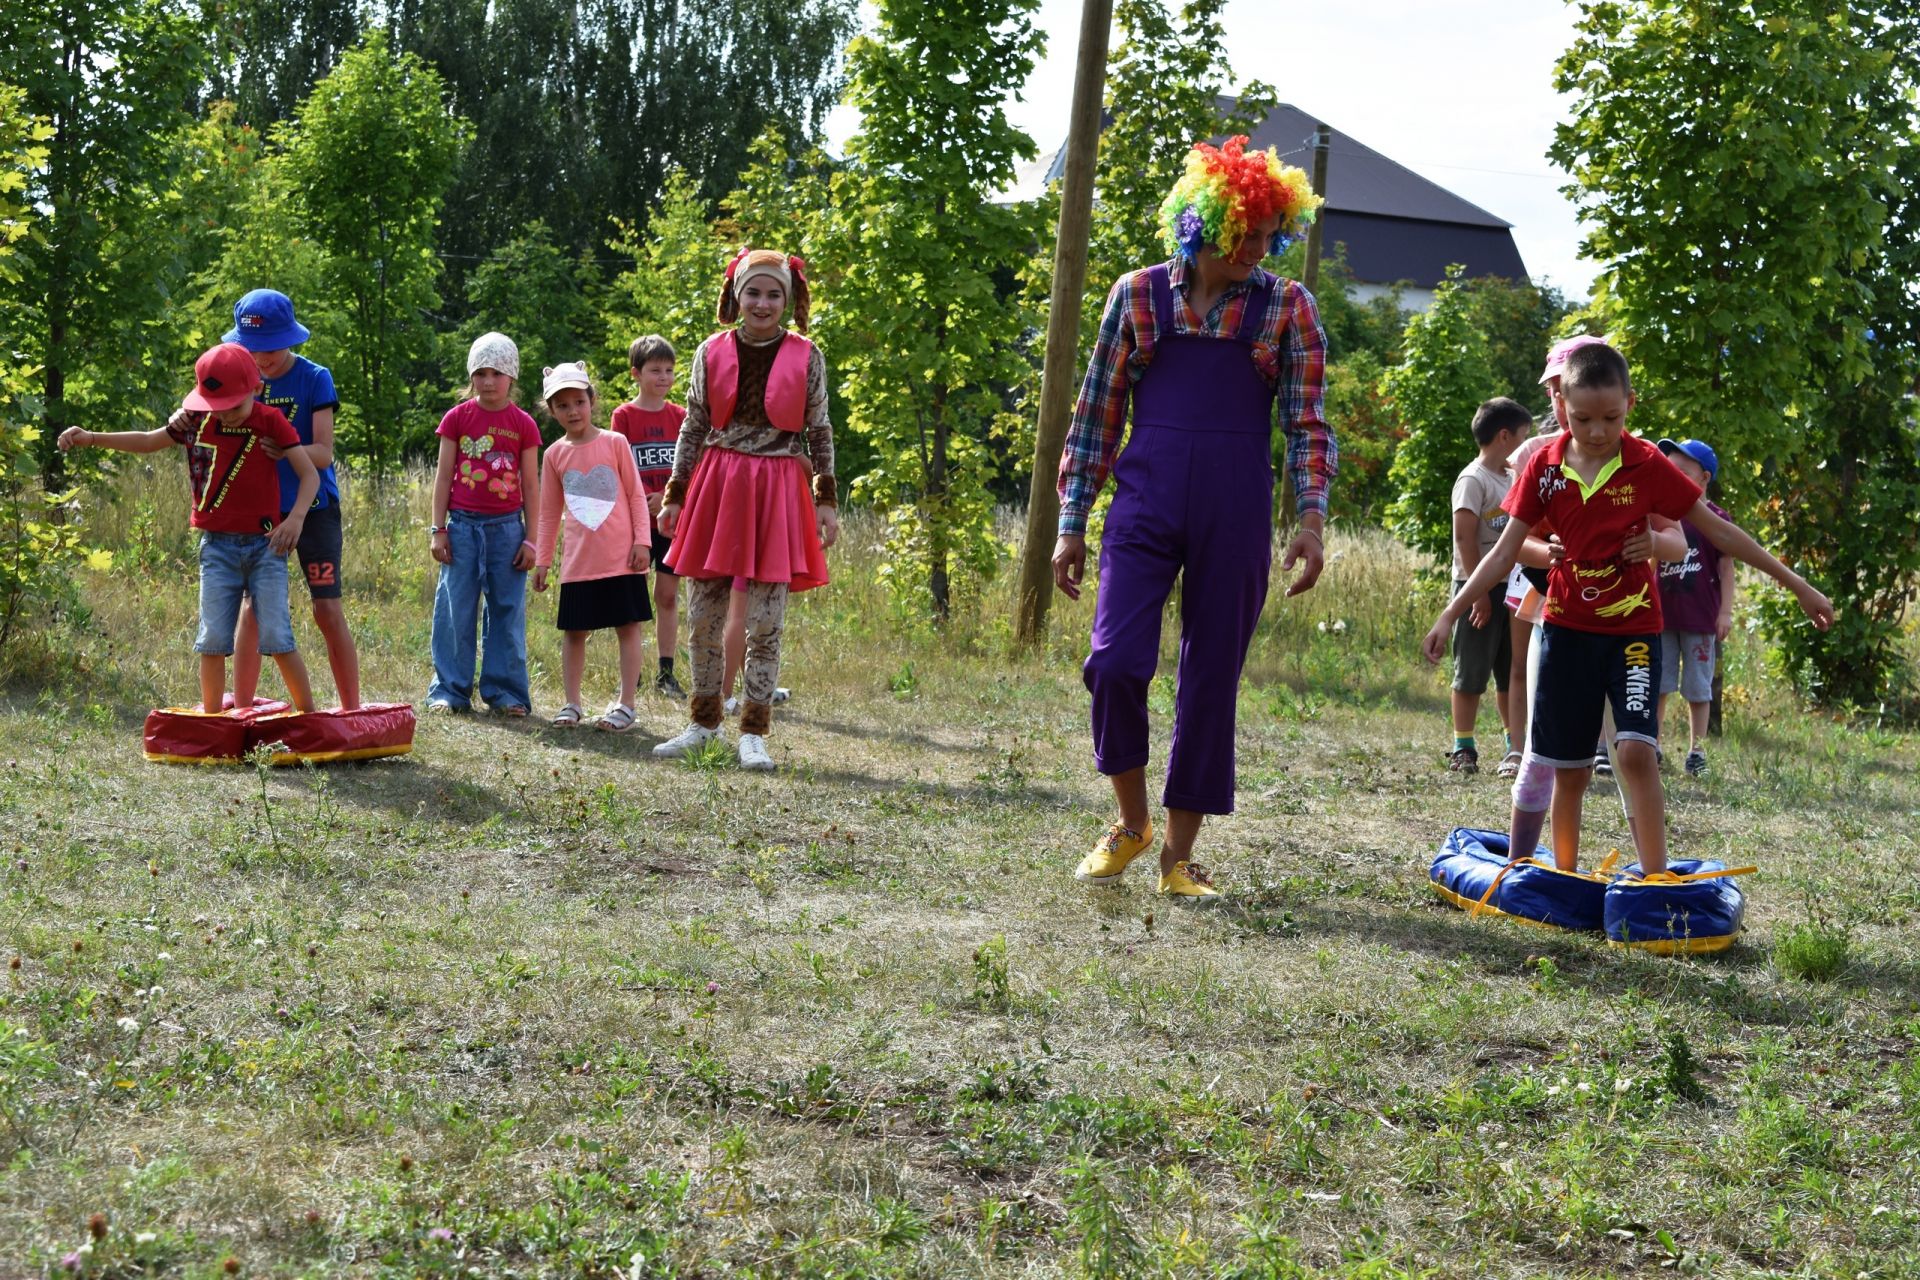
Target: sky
(1467, 102)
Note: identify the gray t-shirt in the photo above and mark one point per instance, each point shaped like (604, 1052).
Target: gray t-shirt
(1481, 491)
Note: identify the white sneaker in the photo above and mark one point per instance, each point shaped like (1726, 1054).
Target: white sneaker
(689, 739)
(781, 695)
(732, 707)
(754, 754)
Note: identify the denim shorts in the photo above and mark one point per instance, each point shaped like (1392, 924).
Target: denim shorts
(234, 565)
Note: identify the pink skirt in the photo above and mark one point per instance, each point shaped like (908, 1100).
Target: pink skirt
(749, 517)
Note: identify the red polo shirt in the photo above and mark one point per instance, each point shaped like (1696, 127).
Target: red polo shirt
(1592, 588)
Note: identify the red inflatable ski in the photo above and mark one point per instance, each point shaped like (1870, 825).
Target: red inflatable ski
(188, 735)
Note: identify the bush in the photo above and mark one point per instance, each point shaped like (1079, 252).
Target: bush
(1443, 375)
(1813, 952)
(1363, 422)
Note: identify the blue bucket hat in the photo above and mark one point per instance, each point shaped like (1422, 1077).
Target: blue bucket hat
(263, 321)
(1698, 450)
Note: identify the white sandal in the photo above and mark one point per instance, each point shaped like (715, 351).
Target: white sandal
(617, 718)
(568, 717)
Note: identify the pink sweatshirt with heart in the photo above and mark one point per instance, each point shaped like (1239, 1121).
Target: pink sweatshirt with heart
(595, 488)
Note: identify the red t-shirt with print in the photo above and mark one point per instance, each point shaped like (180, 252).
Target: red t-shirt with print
(236, 486)
(486, 466)
(1592, 588)
(653, 433)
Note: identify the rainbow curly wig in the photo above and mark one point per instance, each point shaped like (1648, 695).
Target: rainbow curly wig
(1225, 190)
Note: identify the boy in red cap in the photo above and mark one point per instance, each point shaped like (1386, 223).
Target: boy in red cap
(236, 506)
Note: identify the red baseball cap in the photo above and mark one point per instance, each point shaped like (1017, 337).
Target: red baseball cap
(223, 376)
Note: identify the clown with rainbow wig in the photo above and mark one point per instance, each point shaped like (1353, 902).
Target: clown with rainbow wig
(1198, 351)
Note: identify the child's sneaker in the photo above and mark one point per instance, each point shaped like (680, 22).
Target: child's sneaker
(754, 754)
(687, 741)
(780, 696)
(1188, 880)
(1696, 763)
(1602, 767)
(732, 706)
(1115, 852)
(665, 683)
(1465, 760)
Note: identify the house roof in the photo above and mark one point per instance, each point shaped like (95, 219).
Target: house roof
(1395, 224)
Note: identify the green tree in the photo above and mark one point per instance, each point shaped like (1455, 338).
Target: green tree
(39, 553)
(368, 158)
(1370, 435)
(673, 288)
(920, 318)
(1444, 373)
(532, 291)
(113, 81)
(1519, 319)
(1766, 300)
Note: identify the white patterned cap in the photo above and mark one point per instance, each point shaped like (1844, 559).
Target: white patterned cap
(494, 351)
(561, 376)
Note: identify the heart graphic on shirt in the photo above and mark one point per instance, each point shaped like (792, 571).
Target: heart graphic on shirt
(591, 494)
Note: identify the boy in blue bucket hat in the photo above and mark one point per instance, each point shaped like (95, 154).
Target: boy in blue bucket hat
(264, 323)
(1696, 593)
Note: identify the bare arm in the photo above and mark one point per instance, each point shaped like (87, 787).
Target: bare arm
(320, 452)
(1466, 553)
(1493, 568)
(529, 505)
(443, 499)
(287, 532)
(124, 441)
(1723, 625)
(1738, 543)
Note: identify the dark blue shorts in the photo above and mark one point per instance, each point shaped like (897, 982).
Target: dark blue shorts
(1580, 674)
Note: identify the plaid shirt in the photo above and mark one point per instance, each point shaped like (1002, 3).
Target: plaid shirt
(1290, 352)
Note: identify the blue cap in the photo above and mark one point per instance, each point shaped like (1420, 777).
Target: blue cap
(263, 321)
(1698, 450)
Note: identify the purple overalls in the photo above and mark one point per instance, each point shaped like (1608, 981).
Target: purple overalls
(1193, 494)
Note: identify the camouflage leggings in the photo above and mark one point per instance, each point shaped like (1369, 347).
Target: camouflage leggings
(706, 640)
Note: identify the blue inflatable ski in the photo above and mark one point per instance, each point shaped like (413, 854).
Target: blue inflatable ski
(1697, 907)
(1698, 910)
(1471, 871)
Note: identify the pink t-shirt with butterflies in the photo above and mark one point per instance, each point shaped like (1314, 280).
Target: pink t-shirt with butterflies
(593, 489)
(486, 467)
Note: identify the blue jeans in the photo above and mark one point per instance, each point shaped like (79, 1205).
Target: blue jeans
(483, 550)
(232, 566)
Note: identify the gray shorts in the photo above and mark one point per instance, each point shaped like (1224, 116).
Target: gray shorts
(1687, 663)
(1479, 652)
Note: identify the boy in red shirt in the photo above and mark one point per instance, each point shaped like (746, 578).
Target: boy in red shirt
(651, 424)
(1600, 642)
(236, 506)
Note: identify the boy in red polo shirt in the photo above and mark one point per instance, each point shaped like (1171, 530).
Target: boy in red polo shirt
(236, 506)
(1600, 643)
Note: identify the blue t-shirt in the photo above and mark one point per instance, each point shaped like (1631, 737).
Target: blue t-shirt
(297, 393)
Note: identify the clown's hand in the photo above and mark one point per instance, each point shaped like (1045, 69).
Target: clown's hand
(1310, 553)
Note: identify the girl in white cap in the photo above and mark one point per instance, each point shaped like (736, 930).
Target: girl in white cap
(590, 481)
(486, 501)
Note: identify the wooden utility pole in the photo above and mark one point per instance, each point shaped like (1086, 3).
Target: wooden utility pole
(1062, 364)
(1322, 141)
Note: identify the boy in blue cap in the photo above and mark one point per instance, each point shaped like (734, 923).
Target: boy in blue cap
(263, 323)
(1696, 594)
